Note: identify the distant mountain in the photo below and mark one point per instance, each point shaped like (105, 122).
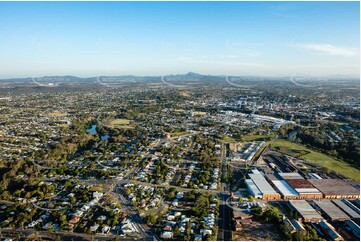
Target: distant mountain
(75, 79)
(70, 80)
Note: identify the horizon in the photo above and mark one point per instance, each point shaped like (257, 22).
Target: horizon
(87, 39)
(350, 76)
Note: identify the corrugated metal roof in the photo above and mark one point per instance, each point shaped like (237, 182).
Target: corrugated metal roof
(297, 224)
(331, 210)
(262, 184)
(353, 207)
(290, 175)
(305, 209)
(334, 187)
(284, 188)
(357, 201)
(331, 232)
(351, 225)
(255, 171)
(254, 190)
(346, 209)
(308, 190)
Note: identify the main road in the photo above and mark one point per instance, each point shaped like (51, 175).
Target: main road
(225, 212)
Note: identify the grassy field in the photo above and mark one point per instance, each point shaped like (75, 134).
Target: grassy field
(227, 139)
(180, 110)
(120, 121)
(255, 137)
(57, 114)
(199, 113)
(176, 134)
(317, 158)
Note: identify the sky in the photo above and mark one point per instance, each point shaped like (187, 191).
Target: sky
(159, 38)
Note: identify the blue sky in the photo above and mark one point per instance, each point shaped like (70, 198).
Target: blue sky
(144, 38)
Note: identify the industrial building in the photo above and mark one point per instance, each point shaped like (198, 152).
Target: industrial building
(353, 214)
(305, 210)
(289, 175)
(263, 186)
(314, 176)
(357, 202)
(330, 231)
(331, 210)
(353, 207)
(286, 191)
(294, 226)
(335, 188)
(353, 227)
(252, 188)
(305, 189)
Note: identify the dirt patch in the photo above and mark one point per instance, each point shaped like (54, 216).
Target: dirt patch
(257, 231)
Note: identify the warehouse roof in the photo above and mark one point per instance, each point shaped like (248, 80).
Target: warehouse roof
(334, 187)
(346, 209)
(256, 192)
(284, 188)
(331, 210)
(255, 171)
(262, 184)
(351, 225)
(305, 209)
(308, 191)
(330, 230)
(271, 177)
(300, 183)
(303, 186)
(352, 206)
(290, 175)
(357, 202)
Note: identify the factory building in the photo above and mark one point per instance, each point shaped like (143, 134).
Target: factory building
(262, 185)
(357, 202)
(353, 207)
(349, 211)
(330, 231)
(314, 176)
(289, 175)
(294, 226)
(331, 210)
(353, 227)
(305, 189)
(305, 210)
(335, 188)
(252, 188)
(286, 191)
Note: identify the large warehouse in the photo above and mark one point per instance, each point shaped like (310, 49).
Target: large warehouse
(335, 188)
(262, 185)
(287, 192)
(353, 214)
(305, 189)
(290, 175)
(306, 211)
(253, 189)
(331, 210)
